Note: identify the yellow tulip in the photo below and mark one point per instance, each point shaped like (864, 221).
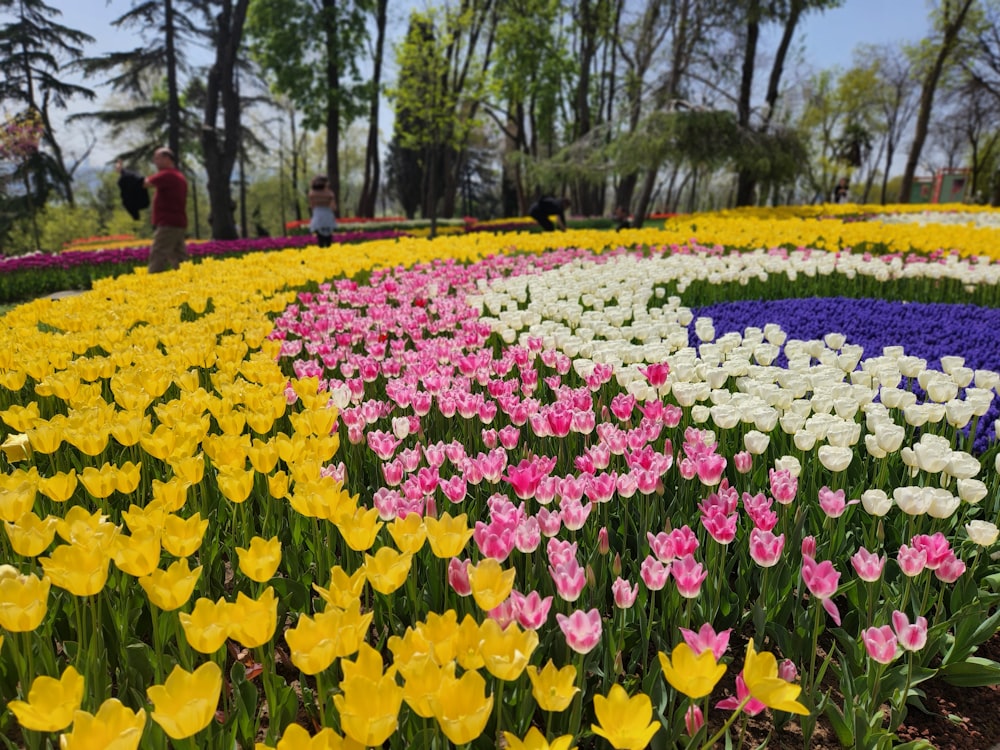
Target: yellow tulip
(447, 536)
(535, 740)
(16, 448)
(491, 584)
(440, 631)
(19, 417)
(208, 625)
(367, 665)
(139, 554)
(277, 485)
(51, 702)
(760, 673)
(343, 589)
(172, 494)
(695, 676)
(23, 600)
(60, 486)
(297, 738)
(45, 437)
(387, 570)
(113, 727)
(182, 536)
(128, 476)
(553, 689)
(466, 644)
(423, 678)
(171, 588)
(151, 517)
(369, 709)
(89, 440)
(188, 468)
(411, 645)
(409, 533)
(506, 651)
(353, 628)
(235, 482)
(80, 568)
(79, 527)
(128, 426)
(623, 721)
(462, 707)
(100, 483)
(359, 528)
(260, 560)
(254, 620)
(17, 501)
(30, 536)
(185, 704)
(314, 641)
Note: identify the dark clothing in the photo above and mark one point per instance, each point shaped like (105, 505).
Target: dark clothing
(170, 200)
(135, 197)
(543, 208)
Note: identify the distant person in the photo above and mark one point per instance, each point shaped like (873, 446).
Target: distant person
(544, 208)
(622, 220)
(322, 204)
(169, 212)
(840, 191)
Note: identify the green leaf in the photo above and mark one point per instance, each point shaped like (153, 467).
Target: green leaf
(839, 724)
(973, 672)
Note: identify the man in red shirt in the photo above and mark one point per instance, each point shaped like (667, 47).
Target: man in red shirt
(169, 212)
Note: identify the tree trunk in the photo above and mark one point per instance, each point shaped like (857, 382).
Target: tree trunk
(173, 98)
(369, 190)
(951, 31)
(220, 148)
(333, 98)
(745, 181)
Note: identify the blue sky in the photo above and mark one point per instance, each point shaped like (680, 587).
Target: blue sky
(823, 40)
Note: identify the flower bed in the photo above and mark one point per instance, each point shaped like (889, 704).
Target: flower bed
(416, 491)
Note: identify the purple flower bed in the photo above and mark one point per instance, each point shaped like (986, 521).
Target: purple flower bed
(929, 331)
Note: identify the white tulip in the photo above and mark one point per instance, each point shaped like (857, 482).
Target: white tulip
(873, 448)
(791, 423)
(765, 418)
(962, 465)
(958, 413)
(834, 340)
(700, 413)
(790, 464)
(987, 379)
(943, 503)
(834, 458)
(897, 398)
(756, 442)
(725, 416)
(930, 457)
(913, 501)
(982, 533)
(890, 436)
(400, 427)
(876, 502)
(972, 490)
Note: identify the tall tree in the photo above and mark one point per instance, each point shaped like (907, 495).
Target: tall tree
(372, 176)
(220, 141)
(951, 18)
(34, 49)
(309, 51)
(757, 13)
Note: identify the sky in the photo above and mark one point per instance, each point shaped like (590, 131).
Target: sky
(823, 40)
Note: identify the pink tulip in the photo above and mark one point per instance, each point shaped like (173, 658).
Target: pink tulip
(662, 546)
(548, 488)
(868, 565)
(454, 488)
(709, 469)
(706, 639)
(911, 636)
(504, 613)
(936, 546)
(560, 551)
(458, 576)
(743, 462)
(582, 629)
(601, 487)
(752, 707)
(549, 521)
(694, 720)
(950, 569)
(603, 543)
(654, 573)
(569, 579)
(880, 643)
(623, 594)
(684, 540)
(509, 436)
(721, 528)
(833, 503)
(626, 485)
(622, 405)
(574, 514)
(688, 575)
(410, 458)
(490, 438)
(822, 580)
(765, 547)
(783, 486)
(572, 488)
(911, 560)
(613, 436)
(434, 454)
(647, 481)
(532, 610)
(528, 535)
(809, 546)
(656, 374)
(787, 670)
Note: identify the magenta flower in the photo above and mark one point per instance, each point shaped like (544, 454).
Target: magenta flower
(549, 521)
(688, 575)
(880, 643)
(911, 560)
(743, 462)
(868, 565)
(581, 629)
(532, 610)
(809, 546)
(528, 535)
(936, 546)
(822, 580)
(783, 486)
(560, 551)
(709, 469)
(654, 573)
(787, 670)
(458, 576)
(603, 543)
(600, 488)
(765, 547)
(570, 578)
(694, 720)
(706, 639)
(623, 594)
(752, 707)
(833, 503)
(684, 540)
(721, 528)
(509, 436)
(454, 488)
(911, 636)
(574, 514)
(622, 405)
(662, 546)
(524, 478)
(950, 569)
